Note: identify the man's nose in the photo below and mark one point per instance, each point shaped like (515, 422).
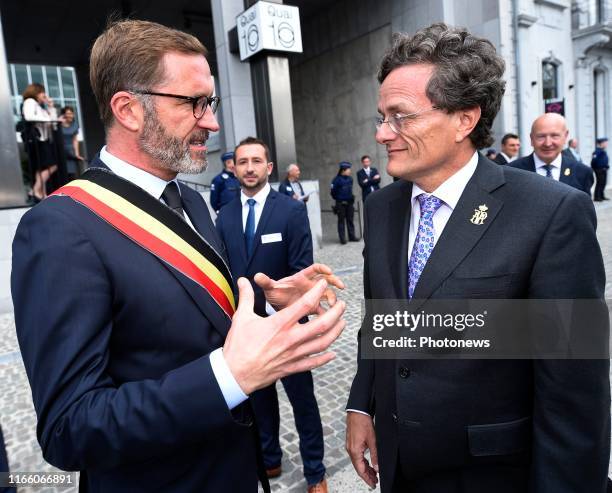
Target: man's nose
(209, 121)
(384, 133)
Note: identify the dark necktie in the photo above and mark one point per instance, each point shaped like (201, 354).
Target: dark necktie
(172, 198)
(548, 169)
(249, 230)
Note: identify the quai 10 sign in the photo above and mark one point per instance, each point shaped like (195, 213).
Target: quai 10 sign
(269, 26)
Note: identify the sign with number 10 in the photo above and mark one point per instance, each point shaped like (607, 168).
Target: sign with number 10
(269, 26)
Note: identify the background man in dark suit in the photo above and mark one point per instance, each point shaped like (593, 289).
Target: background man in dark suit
(509, 149)
(572, 150)
(367, 177)
(291, 185)
(140, 378)
(548, 135)
(472, 426)
(268, 232)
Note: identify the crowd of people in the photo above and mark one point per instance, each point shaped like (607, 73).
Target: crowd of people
(153, 362)
(549, 135)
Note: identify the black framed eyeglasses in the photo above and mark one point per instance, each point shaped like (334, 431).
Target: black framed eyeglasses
(398, 121)
(200, 103)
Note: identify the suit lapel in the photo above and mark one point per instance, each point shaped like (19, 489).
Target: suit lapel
(566, 171)
(399, 226)
(200, 218)
(532, 166)
(266, 213)
(460, 235)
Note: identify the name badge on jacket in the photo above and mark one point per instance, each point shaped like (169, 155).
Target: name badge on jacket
(271, 238)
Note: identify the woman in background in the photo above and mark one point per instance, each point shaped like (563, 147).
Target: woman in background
(38, 109)
(70, 130)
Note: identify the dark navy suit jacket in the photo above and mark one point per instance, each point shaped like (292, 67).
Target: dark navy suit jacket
(573, 173)
(116, 347)
(366, 188)
(288, 253)
(508, 426)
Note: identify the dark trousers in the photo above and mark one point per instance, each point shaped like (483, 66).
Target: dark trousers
(4, 464)
(300, 390)
(345, 211)
(601, 177)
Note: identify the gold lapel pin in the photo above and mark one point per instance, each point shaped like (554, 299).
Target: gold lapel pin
(480, 215)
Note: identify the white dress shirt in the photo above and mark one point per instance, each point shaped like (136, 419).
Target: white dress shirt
(449, 193)
(508, 158)
(556, 166)
(155, 186)
(260, 199)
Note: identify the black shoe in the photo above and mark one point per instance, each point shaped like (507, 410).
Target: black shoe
(605, 198)
(343, 241)
(354, 239)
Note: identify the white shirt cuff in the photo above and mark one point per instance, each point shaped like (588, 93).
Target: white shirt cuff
(232, 393)
(269, 309)
(357, 411)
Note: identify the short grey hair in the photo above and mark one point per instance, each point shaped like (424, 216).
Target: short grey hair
(289, 166)
(467, 72)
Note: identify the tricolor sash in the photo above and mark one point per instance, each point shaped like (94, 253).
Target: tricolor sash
(156, 228)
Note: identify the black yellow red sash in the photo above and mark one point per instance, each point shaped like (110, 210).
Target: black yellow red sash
(156, 228)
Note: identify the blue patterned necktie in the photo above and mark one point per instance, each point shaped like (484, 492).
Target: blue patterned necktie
(249, 230)
(548, 169)
(424, 241)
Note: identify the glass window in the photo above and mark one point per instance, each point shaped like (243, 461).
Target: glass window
(549, 81)
(37, 74)
(68, 82)
(53, 87)
(21, 76)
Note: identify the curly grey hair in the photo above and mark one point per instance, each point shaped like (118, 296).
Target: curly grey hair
(467, 72)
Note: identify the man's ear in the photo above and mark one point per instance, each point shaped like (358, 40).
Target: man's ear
(270, 167)
(467, 119)
(127, 110)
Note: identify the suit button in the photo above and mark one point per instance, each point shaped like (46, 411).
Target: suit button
(394, 416)
(404, 372)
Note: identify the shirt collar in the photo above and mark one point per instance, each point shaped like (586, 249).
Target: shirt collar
(450, 191)
(508, 158)
(556, 163)
(260, 197)
(151, 184)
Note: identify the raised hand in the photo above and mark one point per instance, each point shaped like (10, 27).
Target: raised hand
(287, 290)
(259, 351)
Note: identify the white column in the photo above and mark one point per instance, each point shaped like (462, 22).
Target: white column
(237, 109)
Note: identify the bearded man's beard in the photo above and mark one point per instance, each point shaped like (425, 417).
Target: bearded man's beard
(170, 152)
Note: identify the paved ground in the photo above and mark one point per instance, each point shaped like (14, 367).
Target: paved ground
(332, 383)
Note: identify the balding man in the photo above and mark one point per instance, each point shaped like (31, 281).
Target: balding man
(548, 136)
(291, 185)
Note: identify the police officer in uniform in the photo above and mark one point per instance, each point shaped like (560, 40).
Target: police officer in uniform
(342, 193)
(225, 186)
(599, 163)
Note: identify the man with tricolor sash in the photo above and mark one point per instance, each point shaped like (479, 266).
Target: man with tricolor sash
(139, 357)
